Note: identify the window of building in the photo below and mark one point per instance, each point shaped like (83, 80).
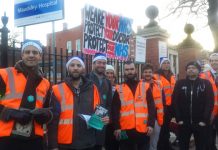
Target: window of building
(78, 48)
(69, 46)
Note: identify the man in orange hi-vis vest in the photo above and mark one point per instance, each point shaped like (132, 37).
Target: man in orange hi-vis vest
(165, 75)
(156, 88)
(133, 111)
(76, 95)
(24, 96)
(212, 76)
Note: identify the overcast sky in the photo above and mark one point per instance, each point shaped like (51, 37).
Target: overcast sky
(134, 9)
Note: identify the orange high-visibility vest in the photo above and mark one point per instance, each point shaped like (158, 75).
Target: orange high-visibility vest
(15, 86)
(134, 110)
(168, 87)
(157, 95)
(208, 76)
(65, 96)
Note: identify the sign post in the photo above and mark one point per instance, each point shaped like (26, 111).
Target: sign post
(28, 12)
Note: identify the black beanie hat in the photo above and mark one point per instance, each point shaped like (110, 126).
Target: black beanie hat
(194, 63)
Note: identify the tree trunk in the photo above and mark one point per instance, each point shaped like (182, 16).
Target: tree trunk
(213, 21)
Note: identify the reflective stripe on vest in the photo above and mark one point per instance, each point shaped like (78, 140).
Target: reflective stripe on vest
(130, 102)
(127, 113)
(20, 95)
(64, 107)
(216, 93)
(208, 76)
(157, 94)
(13, 98)
(141, 115)
(157, 101)
(134, 111)
(166, 87)
(121, 94)
(160, 111)
(65, 121)
(65, 96)
(13, 93)
(168, 95)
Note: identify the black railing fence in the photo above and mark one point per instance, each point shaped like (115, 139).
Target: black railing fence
(53, 63)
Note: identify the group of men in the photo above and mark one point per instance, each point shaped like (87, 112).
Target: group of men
(139, 112)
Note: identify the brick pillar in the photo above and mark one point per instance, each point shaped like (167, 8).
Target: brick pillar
(153, 34)
(188, 50)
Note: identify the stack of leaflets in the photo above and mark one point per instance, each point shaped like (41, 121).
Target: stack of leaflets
(94, 120)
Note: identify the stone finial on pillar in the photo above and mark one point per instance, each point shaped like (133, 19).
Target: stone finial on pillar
(188, 50)
(152, 12)
(4, 42)
(4, 30)
(189, 29)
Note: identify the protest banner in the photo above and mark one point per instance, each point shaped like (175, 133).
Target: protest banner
(106, 33)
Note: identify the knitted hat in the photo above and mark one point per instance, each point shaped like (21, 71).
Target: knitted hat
(109, 67)
(194, 63)
(99, 56)
(207, 67)
(213, 54)
(163, 60)
(34, 43)
(75, 58)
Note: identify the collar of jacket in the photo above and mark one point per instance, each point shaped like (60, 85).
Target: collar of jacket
(22, 68)
(85, 84)
(161, 72)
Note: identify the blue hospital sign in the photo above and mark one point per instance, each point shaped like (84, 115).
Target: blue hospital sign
(27, 12)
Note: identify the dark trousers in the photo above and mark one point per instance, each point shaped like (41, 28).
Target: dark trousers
(163, 143)
(8, 143)
(98, 147)
(135, 141)
(200, 135)
(77, 149)
(211, 143)
(110, 140)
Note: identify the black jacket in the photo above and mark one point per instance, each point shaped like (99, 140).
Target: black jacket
(83, 104)
(105, 91)
(193, 101)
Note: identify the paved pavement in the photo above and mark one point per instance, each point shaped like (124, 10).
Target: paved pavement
(191, 145)
(192, 142)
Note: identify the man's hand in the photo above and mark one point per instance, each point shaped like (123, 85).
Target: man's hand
(150, 130)
(105, 120)
(21, 116)
(117, 134)
(180, 122)
(202, 124)
(42, 117)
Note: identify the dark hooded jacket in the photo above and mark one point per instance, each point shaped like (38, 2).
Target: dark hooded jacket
(105, 90)
(83, 104)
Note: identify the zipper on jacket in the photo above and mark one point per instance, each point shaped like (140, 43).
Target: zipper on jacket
(191, 103)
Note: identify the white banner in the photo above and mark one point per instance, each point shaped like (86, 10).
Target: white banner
(162, 49)
(140, 50)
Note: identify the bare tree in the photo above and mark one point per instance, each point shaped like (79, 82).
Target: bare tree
(207, 8)
(14, 39)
